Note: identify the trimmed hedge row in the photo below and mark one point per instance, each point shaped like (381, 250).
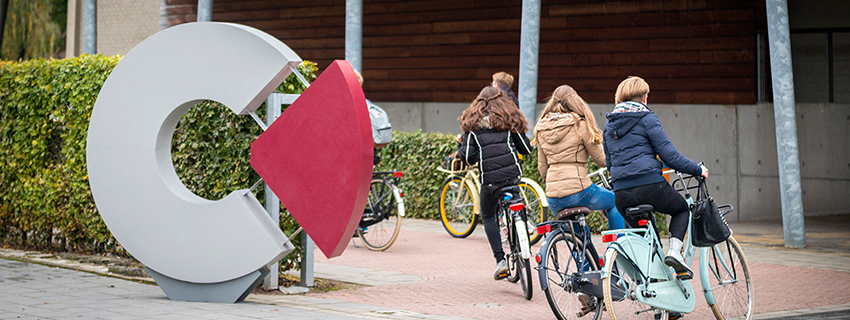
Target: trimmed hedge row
(45, 200)
(418, 155)
(45, 107)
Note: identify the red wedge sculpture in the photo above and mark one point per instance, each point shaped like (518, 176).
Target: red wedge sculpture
(317, 157)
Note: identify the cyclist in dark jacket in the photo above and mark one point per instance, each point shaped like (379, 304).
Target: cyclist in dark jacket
(504, 81)
(633, 138)
(494, 133)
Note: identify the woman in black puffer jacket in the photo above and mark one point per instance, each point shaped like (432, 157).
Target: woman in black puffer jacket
(494, 133)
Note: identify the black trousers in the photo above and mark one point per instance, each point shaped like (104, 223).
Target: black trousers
(663, 197)
(489, 201)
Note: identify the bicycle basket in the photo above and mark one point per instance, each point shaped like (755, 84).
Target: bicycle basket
(453, 164)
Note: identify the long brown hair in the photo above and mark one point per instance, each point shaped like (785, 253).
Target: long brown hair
(493, 106)
(564, 100)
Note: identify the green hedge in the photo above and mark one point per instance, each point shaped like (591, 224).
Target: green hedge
(419, 154)
(45, 107)
(45, 200)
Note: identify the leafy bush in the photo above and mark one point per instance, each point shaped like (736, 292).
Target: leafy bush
(45, 201)
(419, 154)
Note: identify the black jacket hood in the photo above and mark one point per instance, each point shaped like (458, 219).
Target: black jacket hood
(621, 123)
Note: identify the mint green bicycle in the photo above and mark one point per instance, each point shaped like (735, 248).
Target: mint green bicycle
(638, 285)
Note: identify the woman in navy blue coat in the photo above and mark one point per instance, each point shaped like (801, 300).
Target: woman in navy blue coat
(633, 141)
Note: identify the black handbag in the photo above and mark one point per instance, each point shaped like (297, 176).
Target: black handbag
(708, 227)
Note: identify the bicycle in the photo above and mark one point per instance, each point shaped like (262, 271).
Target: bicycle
(459, 209)
(381, 221)
(568, 262)
(512, 207)
(638, 285)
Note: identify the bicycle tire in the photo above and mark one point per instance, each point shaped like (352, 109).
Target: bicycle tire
(383, 205)
(561, 263)
(457, 208)
(537, 213)
(625, 305)
(727, 301)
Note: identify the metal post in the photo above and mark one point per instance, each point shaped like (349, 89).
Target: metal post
(205, 10)
(786, 125)
(90, 26)
(307, 247)
(354, 33)
(529, 47)
(272, 203)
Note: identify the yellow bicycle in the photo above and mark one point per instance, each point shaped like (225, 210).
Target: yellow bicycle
(459, 204)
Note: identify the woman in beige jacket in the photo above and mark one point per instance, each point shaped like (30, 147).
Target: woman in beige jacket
(566, 134)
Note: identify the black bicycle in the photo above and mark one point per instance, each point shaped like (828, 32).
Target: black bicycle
(381, 221)
(512, 208)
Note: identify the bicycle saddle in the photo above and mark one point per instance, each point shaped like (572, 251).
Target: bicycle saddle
(641, 211)
(569, 213)
(512, 189)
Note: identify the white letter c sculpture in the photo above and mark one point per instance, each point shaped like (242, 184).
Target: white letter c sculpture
(195, 249)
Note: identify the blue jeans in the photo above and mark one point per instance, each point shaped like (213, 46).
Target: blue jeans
(594, 198)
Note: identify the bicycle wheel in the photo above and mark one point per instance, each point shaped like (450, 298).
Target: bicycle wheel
(562, 262)
(731, 284)
(382, 223)
(537, 213)
(627, 306)
(457, 208)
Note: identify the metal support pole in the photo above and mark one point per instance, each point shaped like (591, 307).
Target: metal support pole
(205, 10)
(354, 33)
(529, 47)
(90, 26)
(307, 248)
(786, 125)
(270, 282)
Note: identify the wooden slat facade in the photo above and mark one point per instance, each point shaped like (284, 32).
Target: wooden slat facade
(690, 51)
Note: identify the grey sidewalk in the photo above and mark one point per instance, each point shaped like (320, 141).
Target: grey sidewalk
(33, 291)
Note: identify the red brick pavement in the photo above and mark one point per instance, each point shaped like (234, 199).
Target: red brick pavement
(457, 281)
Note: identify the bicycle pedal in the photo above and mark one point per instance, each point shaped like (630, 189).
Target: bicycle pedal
(502, 276)
(687, 275)
(585, 310)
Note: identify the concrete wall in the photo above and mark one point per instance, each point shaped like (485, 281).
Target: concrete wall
(737, 143)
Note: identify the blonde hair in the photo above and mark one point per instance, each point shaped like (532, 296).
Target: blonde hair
(359, 77)
(500, 113)
(503, 78)
(631, 89)
(564, 100)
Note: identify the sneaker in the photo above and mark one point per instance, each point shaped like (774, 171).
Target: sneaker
(501, 270)
(682, 271)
